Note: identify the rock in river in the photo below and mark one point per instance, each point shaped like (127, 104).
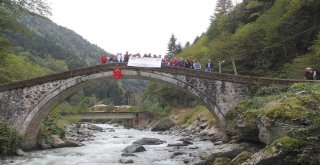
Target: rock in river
(149, 141)
(134, 148)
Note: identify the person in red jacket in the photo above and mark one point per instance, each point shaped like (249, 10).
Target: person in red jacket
(103, 59)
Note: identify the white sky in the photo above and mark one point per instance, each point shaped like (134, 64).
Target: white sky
(137, 26)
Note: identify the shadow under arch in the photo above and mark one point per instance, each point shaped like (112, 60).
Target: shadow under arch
(33, 121)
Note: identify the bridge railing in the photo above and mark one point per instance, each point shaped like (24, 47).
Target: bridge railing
(166, 69)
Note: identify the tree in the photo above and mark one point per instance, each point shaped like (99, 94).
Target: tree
(223, 7)
(172, 45)
(187, 44)
(178, 48)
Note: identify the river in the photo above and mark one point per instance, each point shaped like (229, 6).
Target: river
(106, 149)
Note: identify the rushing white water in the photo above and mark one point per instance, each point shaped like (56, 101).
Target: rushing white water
(106, 149)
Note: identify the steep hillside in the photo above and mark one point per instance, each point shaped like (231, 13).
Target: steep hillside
(275, 38)
(48, 40)
(37, 46)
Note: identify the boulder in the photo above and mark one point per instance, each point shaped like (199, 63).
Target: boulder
(56, 142)
(134, 148)
(19, 152)
(176, 154)
(72, 143)
(163, 125)
(128, 154)
(269, 156)
(270, 130)
(94, 127)
(242, 157)
(222, 161)
(126, 161)
(149, 141)
(204, 125)
(177, 144)
(44, 144)
(227, 150)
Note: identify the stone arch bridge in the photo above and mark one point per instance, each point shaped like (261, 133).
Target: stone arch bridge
(25, 104)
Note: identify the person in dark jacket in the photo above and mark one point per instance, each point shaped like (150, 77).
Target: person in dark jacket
(209, 66)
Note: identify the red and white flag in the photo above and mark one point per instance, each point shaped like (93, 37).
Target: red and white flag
(117, 74)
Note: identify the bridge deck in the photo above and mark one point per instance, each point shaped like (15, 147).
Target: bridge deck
(105, 115)
(164, 69)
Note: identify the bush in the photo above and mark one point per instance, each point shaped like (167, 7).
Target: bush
(272, 90)
(10, 140)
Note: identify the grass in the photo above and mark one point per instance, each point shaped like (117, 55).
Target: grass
(286, 143)
(189, 115)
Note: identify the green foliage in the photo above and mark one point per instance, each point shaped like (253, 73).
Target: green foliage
(290, 108)
(17, 68)
(299, 103)
(166, 95)
(308, 87)
(263, 38)
(271, 90)
(286, 143)
(186, 116)
(10, 140)
(242, 157)
(52, 126)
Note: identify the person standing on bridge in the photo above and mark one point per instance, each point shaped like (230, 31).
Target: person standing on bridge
(309, 75)
(103, 59)
(209, 66)
(197, 65)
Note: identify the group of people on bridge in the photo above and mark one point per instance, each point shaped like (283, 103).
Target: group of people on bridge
(186, 63)
(166, 61)
(312, 74)
(119, 57)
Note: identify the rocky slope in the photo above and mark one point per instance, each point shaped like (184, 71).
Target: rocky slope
(286, 123)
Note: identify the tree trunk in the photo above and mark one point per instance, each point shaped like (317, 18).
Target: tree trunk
(234, 66)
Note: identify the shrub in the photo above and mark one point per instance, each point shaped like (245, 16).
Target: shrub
(10, 140)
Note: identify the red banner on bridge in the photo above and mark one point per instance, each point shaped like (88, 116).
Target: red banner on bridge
(117, 74)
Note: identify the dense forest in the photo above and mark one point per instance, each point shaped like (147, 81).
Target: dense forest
(273, 38)
(31, 45)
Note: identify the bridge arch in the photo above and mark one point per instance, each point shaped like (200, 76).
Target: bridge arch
(25, 104)
(32, 123)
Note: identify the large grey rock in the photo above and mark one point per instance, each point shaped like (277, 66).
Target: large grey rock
(72, 143)
(227, 150)
(163, 125)
(94, 127)
(126, 161)
(44, 144)
(267, 157)
(134, 148)
(177, 144)
(242, 157)
(222, 161)
(149, 141)
(177, 153)
(56, 142)
(270, 130)
(19, 152)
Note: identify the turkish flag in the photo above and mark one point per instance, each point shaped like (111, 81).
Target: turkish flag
(117, 74)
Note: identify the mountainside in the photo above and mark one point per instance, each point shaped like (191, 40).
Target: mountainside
(275, 38)
(47, 39)
(42, 47)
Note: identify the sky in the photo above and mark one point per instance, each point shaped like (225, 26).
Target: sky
(137, 26)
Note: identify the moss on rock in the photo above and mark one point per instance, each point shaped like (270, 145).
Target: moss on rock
(242, 157)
